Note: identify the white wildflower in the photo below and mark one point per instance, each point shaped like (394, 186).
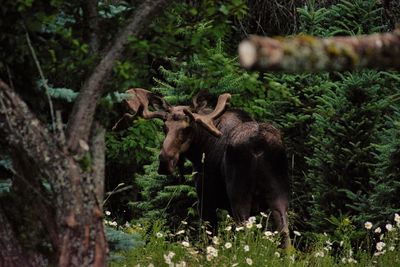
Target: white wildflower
(212, 251)
(181, 264)
(114, 223)
(228, 228)
(391, 248)
(259, 225)
(368, 225)
(293, 258)
(249, 225)
(239, 228)
(208, 232)
(397, 218)
(351, 260)
(108, 213)
(268, 233)
(378, 230)
(215, 240)
(249, 261)
(252, 219)
(378, 253)
(159, 235)
(264, 215)
(228, 245)
(344, 260)
(168, 257)
(246, 248)
(389, 227)
(180, 232)
(184, 222)
(341, 243)
(150, 265)
(380, 246)
(277, 254)
(297, 233)
(185, 243)
(235, 264)
(319, 254)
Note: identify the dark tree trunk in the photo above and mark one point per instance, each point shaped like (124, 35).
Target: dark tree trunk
(80, 239)
(11, 252)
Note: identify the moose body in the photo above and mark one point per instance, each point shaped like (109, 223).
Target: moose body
(240, 164)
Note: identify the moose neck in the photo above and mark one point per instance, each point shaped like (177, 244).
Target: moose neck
(204, 144)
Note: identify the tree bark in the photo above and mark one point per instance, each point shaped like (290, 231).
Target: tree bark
(312, 54)
(81, 118)
(11, 252)
(90, 9)
(81, 240)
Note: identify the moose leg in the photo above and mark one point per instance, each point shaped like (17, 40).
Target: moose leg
(279, 213)
(206, 201)
(239, 192)
(239, 179)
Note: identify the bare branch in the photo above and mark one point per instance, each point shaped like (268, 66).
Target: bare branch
(44, 81)
(98, 158)
(90, 8)
(307, 53)
(84, 108)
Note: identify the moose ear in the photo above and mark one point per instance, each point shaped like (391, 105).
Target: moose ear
(159, 103)
(199, 101)
(206, 120)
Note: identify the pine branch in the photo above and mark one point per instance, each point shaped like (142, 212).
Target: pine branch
(307, 53)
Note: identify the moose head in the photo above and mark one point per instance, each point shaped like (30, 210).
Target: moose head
(180, 122)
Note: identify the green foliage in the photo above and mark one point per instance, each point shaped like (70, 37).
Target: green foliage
(344, 131)
(217, 73)
(135, 143)
(340, 167)
(164, 197)
(353, 17)
(386, 185)
(341, 129)
(119, 240)
(256, 245)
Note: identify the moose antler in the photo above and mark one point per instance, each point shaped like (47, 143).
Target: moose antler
(139, 100)
(206, 120)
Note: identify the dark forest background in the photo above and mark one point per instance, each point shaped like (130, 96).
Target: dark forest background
(341, 129)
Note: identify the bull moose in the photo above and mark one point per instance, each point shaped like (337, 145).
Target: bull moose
(240, 164)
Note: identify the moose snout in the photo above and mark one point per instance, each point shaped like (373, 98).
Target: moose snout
(167, 162)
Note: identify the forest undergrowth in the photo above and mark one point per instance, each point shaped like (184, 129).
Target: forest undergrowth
(253, 244)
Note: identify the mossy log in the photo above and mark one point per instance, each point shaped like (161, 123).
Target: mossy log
(312, 54)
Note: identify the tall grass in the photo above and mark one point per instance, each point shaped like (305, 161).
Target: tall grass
(252, 244)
